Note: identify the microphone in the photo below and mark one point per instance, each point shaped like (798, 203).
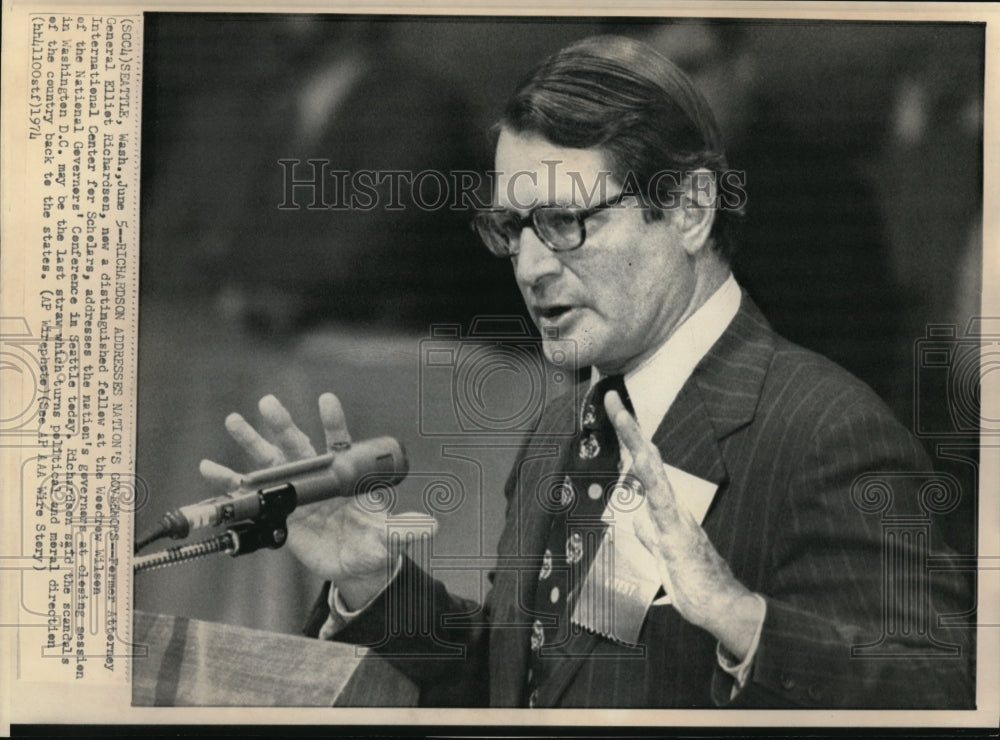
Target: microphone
(358, 469)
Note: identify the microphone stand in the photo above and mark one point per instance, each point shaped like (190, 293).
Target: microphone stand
(268, 529)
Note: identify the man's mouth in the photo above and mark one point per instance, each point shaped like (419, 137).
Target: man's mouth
(553, 313)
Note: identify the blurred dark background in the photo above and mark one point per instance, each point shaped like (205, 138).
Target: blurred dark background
(862, 144)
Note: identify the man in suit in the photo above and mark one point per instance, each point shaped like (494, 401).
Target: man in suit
(706, 529)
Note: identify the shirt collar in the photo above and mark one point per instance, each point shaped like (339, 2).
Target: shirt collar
(654, 384)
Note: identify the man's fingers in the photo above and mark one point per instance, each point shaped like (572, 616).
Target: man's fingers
(647, 465)
(331, 413)
(645, 530)
(219, 475)
(262, 452)
(651, 539)
(624, 423)
(292, 441)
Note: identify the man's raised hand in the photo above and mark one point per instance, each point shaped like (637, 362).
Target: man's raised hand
(338, 539)
(697, 579)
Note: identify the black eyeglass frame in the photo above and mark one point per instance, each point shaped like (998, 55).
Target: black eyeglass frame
(580, 215)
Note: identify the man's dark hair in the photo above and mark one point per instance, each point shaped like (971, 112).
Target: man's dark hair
(619, 95)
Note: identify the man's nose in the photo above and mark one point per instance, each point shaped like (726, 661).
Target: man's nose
(534, 260)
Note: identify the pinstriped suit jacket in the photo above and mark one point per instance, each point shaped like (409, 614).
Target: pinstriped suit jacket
(786, 435)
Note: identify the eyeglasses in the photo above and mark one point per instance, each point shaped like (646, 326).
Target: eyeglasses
(560, 228)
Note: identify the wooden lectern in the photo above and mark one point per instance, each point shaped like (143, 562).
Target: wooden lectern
(194, 663)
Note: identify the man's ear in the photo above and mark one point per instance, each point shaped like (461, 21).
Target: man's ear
(697, 209)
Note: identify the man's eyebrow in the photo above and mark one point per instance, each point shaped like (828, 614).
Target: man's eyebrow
(558, 203)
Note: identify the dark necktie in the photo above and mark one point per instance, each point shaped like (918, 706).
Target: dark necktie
(577, 499)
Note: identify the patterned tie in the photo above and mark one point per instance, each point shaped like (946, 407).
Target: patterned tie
(577, 498)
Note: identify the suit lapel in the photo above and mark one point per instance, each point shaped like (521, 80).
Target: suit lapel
(686, 438)
(719, 398)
